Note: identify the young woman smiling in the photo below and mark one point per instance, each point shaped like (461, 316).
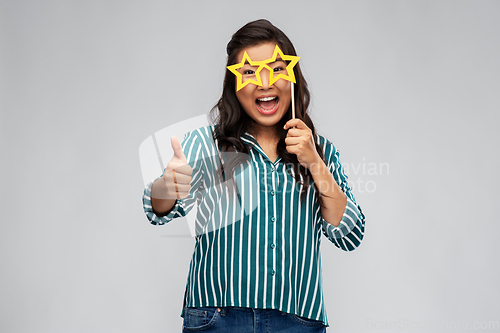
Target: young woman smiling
(256, 266)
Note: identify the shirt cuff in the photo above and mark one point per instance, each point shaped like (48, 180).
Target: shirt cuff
(346, 225)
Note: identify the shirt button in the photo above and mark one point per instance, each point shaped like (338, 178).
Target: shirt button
(273, 246)
(273, 271)
(272, 169)
(272, 192)
(273, 219)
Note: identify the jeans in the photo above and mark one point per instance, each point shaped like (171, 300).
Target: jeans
(246, 320)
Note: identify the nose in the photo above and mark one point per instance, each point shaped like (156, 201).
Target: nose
(265, 76)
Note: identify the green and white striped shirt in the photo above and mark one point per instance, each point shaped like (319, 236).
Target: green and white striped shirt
(261, 248)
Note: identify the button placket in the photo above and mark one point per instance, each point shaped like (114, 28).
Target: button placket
(273, 206)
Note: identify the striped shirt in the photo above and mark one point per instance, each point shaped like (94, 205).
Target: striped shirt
(261, 248)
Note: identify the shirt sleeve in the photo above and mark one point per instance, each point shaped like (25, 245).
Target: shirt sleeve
(193, 148)
(349, 233)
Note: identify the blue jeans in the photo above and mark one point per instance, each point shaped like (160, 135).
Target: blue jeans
(246, 320)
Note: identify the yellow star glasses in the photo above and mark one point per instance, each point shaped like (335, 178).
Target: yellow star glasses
(261, 65)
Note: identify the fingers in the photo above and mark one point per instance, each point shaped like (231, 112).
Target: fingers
(297, 123)
(178, 178)
(181, 190)
(176, 146)
(178, 191)
(177, 185)
(291, 141)
(180, 168)
(296, 132)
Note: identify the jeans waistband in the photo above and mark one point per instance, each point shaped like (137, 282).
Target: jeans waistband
(223, 310)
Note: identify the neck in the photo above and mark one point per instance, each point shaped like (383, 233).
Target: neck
(266, 134)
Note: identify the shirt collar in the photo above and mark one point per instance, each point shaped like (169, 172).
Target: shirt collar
(250, 140)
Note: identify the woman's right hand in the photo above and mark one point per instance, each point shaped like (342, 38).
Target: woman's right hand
(177, 175)
(175, 182)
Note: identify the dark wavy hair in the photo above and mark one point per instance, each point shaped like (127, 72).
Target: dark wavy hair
(231, 121)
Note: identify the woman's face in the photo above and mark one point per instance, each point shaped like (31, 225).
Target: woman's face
(265, 104)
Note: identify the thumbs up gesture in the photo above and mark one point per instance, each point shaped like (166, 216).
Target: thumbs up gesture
(177, 175)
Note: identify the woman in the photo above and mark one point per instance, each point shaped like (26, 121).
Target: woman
(267, 186)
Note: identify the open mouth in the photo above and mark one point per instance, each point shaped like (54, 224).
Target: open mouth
(267, 105)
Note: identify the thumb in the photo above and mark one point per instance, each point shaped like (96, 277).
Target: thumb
(176, 146)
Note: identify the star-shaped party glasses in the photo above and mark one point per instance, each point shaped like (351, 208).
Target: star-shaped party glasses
(258, 81)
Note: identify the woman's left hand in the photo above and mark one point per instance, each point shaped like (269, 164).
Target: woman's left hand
(300, 141)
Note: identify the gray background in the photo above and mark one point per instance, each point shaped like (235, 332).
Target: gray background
(409, 84)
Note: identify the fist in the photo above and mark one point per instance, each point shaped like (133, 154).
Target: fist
(177, 175)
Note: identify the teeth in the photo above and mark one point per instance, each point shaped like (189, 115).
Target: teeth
(266, 99)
